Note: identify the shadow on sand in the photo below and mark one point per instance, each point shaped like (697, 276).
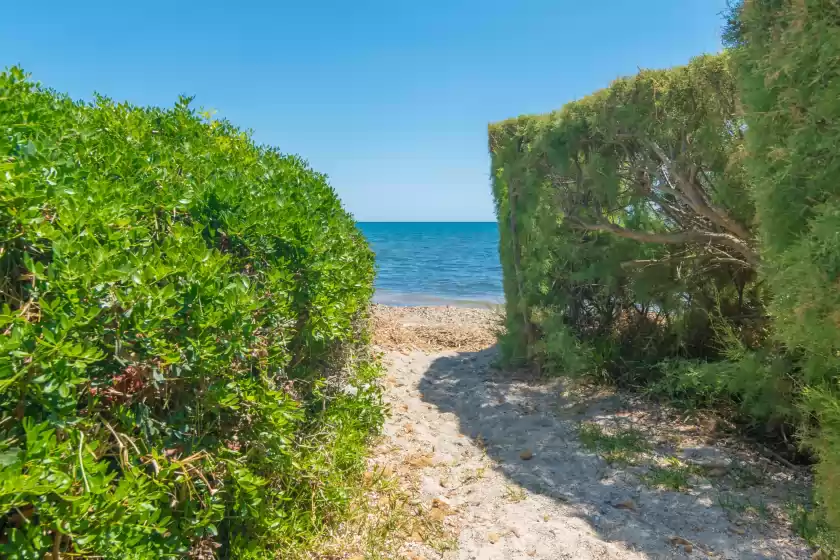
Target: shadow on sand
(511, 413)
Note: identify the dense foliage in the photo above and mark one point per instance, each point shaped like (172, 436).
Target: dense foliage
(626, 226)
(681, 229)
(181, 357)
(788, 58)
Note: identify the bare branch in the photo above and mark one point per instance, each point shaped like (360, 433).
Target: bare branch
(675, 238)
(697, 199)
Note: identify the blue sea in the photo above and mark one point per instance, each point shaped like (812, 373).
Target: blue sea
(436, 263)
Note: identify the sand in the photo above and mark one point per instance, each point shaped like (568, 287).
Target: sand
(500, 454)
(435, 328)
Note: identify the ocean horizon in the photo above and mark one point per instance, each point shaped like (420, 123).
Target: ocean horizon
(436, 263)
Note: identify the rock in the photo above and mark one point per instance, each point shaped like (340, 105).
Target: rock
(493, 537)
(687, 544)
(422, 461)
(738, 530)
(526, 455)
(531, 552)
(626, 504)
(441, 503)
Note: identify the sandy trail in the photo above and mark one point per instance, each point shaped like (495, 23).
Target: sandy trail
(500, 457)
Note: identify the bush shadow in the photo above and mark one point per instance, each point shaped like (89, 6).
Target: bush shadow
(511, 412)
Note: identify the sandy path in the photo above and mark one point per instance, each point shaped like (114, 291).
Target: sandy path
(502, 461)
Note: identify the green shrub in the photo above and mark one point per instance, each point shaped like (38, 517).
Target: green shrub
(626, 225)
(786, 54)
(182, 362)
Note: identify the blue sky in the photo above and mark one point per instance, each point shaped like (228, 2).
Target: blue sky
(390, 98)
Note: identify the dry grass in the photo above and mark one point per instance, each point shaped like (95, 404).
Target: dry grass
(386, 520)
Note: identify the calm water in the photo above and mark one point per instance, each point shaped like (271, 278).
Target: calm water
(435, 263)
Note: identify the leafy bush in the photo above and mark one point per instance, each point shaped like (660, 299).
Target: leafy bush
(625, 225)
(677, 230)
(787, 55)
(182, 361)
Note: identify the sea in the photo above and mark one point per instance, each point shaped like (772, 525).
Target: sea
(436, 263)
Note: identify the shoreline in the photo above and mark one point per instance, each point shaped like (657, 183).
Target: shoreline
(402, 299)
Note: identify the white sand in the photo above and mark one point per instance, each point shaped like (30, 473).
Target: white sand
(473, 422)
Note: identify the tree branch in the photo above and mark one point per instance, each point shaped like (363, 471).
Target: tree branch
(675, 238)
(697, 200)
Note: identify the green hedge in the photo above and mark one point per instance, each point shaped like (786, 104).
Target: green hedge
(182, 354)
(626, 225)
(681, 229)
(788, 58)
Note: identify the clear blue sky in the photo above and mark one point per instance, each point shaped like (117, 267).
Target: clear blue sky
(390, 98)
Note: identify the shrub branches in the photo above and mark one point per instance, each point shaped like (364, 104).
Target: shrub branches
(181, 311)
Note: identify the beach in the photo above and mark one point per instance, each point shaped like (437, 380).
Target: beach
(507, 465)
(435, 328)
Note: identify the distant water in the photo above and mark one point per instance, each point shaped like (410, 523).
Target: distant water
(436, 263)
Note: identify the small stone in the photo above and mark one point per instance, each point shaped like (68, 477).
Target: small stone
(626, 504)
(441, 503)
(738, 530)
(493, 538)
(688, 549)
(526, 455)
(422, 461)
(531, 552)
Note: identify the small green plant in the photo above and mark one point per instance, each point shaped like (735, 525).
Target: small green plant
(810, 524)
(515, 493)
(744, 476)
(758, 509)
(622, 446)
(674, 475)
(731, 503)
